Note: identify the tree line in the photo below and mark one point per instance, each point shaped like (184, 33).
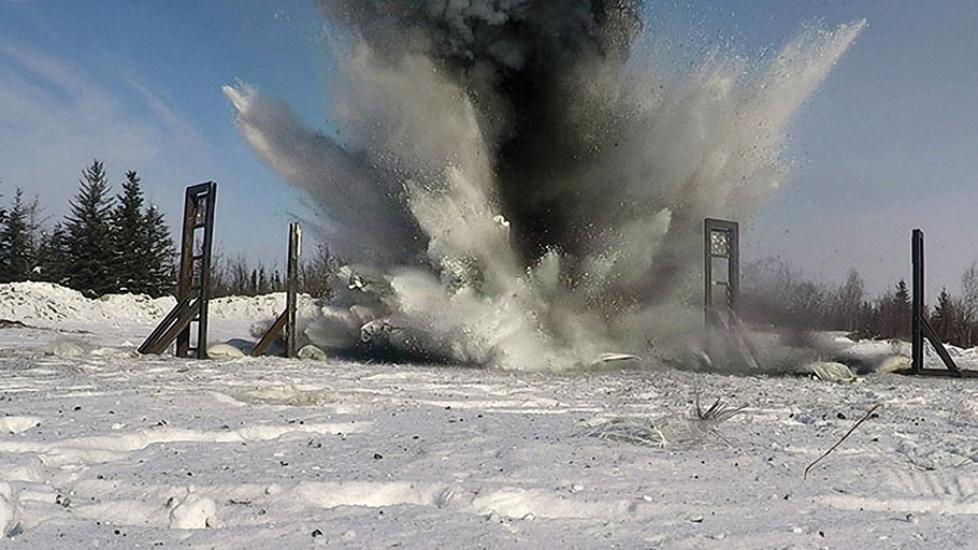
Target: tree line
(105, 244)
(774, 294)
(237, 276)
(110, 244)
(116, 243)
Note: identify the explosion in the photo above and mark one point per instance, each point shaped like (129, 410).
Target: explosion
(522, 183)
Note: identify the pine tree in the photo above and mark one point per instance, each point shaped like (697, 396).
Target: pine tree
(944, 316)
(160, 271)
(129, 238)
(142, 247)
(52, 256)
(17, 253)
(3, 220)
(89, 235)
(902, 294)
(898, 316)
(262, 280)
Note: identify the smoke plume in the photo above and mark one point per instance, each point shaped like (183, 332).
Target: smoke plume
(518, 183)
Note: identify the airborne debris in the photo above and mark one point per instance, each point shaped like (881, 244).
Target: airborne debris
(519, 193)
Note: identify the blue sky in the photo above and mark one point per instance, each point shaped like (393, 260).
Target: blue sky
(890, 142)
(138, 84)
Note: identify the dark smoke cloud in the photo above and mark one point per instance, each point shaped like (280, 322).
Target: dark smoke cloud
(511, 35)
(531, 68)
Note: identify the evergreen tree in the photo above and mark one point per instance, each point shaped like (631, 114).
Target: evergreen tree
(89, 235)
(160, 271)
(130, 239)
(17, 253)
(142, 246)
(262, 280)
(902, 294)
(896, 312)
(3, 220)
(52, 256)
(944, 316)
(32, 220)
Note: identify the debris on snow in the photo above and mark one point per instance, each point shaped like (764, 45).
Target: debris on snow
(224, 351)
(829, 371)
(312, 353)
(193, 512)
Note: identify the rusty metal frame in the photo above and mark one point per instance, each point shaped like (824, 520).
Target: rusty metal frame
(721, 239)
(194, 277)
(920, 328)
(729, 231)
(285, 323)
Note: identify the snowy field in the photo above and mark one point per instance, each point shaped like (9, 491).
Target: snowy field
(101, 447)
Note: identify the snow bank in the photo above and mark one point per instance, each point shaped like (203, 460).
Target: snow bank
(47, 304)
(32, 302)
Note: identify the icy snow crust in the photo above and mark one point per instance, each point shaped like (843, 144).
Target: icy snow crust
(107, 448)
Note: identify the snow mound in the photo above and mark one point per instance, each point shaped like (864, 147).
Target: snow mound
(49, 304)
(194, 512)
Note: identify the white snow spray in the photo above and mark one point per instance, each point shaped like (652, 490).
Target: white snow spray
(519, 183)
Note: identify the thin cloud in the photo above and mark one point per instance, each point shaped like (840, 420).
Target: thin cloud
(55, 117)
(178, 127)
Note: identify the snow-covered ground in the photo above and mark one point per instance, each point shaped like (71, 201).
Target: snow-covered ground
(99, 446)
